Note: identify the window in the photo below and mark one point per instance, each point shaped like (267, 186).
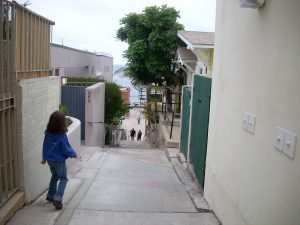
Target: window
(56, 72)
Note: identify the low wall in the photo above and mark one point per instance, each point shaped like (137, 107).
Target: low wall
(36, 99)
(74, 133)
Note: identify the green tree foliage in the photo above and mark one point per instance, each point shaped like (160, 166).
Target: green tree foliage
(151, 37)
(84, 80)
(114, 105)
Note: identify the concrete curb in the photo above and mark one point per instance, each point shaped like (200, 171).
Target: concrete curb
(16, 202)
(191, 186)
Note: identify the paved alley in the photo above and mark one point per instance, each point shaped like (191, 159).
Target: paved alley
(132, 122)
(119, 186)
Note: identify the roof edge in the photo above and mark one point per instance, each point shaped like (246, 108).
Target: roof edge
(32, 12)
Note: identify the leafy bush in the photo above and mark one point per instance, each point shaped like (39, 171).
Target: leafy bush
(84, 80)
(65, 110)
(113, 102)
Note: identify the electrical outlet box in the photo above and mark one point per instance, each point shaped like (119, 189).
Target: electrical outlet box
(289, 144)
(285, 141)
(279, 138)
(248, 122)
(245, 119)
(251, 123)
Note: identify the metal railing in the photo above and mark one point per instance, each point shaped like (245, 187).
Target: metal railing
(8, 149)
(169, 108)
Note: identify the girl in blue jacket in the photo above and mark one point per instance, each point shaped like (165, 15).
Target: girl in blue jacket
(56, 149)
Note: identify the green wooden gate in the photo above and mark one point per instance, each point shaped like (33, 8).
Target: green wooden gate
(185, 120)
(199, 125)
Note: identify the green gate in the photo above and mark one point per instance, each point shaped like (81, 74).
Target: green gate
(199, 125)
(185, 120)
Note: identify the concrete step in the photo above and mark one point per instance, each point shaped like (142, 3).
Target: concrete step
(162, 120)
(134, 144)
(170, 143)
(172, 153)
(16, 202)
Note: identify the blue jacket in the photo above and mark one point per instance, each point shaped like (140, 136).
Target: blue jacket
(56, 147)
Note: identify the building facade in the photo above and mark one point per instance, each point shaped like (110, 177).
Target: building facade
(253, 156)
(71, 62)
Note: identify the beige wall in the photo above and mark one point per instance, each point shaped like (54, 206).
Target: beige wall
(204, 58)
(36, 99)
(256, 70)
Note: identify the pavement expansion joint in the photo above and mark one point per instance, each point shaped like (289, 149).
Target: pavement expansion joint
(141, 212)
(67, 213)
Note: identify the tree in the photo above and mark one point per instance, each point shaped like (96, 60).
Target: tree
(114, 105)
(151, 37)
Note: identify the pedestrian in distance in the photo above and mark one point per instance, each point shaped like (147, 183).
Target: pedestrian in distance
(132, 133)
(56, 149)
(139, 119)
(139, 135)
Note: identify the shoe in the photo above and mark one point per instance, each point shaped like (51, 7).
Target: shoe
(58, 205)
(49, 199)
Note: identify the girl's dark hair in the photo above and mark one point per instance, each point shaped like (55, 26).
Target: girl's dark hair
(57, 123)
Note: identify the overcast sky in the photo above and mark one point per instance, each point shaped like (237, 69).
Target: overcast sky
(92, 24)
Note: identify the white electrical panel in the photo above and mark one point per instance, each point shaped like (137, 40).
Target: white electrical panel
(245, 119)
(289, 144)
(251, 123)
(248, 122)
(285, 141)
(279, 138)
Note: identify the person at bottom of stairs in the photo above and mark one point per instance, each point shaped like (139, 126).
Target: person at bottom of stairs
(56, 149)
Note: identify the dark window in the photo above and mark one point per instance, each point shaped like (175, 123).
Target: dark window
(56, 72)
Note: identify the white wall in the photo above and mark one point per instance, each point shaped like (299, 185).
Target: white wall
(74, 62)
(74, 137)
(107, 67)
(36, 99)
(94, 115)
(256, 70)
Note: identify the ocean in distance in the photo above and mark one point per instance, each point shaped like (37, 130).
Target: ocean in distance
(120, 79)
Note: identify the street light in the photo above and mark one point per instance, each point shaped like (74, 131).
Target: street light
(64, 80)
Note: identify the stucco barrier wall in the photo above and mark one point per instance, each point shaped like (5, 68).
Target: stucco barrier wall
(94, 115)
(74, 134)
(36, 99)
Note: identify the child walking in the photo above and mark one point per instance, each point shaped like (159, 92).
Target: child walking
(56, 149)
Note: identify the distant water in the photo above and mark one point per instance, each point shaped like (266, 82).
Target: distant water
(120, 79)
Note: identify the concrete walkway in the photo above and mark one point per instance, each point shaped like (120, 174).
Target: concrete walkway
(118, 186)
(131, 122)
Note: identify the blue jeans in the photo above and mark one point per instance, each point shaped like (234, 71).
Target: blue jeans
(59, 173)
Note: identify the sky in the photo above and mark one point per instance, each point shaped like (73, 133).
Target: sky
(92, 24)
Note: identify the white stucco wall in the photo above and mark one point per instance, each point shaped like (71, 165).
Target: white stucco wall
(94, 115)
(256, 70)
(36, 100)
(74, 137)
(74, 62)
(107, 67)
